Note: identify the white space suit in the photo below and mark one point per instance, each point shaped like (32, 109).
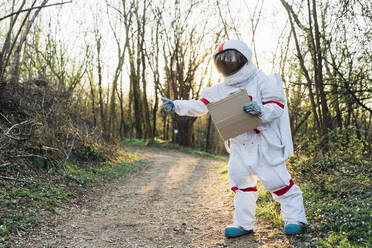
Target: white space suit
(261, 152)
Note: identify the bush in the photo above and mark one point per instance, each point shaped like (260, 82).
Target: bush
(44, 128)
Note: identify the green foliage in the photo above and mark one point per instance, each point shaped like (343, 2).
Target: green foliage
(89, 152)
(100, 172)
(337, 191)
(336, 240)
(267, 208)
(166, 145)
(20, 204)
(134, 142)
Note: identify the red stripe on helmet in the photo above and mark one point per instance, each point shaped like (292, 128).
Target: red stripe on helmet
(220, 48)
(285, 189)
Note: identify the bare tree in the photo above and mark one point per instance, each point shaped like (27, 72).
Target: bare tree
(98, 42)
(254, 19)
(152, 55)
(13, 45)
(318, 98)
(333, 53)
(121, 51)
(182, 63)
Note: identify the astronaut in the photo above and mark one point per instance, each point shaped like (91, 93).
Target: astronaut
(258, 153)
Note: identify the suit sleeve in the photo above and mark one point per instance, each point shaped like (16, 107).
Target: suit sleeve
(273, 101)
(194, 108)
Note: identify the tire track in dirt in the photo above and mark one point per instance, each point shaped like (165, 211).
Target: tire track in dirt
(177, 200)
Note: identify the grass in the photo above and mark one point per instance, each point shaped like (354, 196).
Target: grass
(23, 202)
(167, 145)
(338, 199)
(267, 208)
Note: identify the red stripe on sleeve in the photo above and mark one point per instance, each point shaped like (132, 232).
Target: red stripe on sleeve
(285, 189)
(205, 101)
(278, 103)
(250, 97)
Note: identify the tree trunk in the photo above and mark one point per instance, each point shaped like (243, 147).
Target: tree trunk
(122, 127)
(207, 143)
(7, 49)
(93, 97)
(318, 64)
(100, 90)
(15, 68)
(184, 125)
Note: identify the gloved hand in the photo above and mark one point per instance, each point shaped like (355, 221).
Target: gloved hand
(252, 108)
(168, 105)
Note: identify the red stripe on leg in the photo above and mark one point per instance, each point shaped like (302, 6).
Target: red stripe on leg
(234, 189)
(285, 189)
(249, 189)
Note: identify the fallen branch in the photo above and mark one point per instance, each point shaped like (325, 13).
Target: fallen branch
(72, 146)
(7, 133)
(15, 138)
(29, 155)
(15, 125)
(3, 165)
(6, 119)
(49, 148)
(13, 179)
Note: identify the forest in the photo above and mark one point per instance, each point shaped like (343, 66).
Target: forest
(78, 80)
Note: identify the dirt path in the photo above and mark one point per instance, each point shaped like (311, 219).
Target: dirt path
(178, 200)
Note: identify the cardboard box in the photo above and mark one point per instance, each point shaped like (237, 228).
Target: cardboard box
(229, 117)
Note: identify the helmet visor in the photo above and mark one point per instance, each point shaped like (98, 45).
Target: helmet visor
(229, 61)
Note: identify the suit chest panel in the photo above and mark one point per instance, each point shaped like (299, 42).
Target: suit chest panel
(222, 91)
(253, 91)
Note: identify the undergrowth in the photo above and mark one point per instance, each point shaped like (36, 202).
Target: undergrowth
(337, 190)
(167, 145)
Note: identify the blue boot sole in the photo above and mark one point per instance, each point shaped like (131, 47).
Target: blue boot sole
(233, 232)
(293, 229)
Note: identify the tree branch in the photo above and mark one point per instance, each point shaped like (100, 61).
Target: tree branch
(37, 7)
